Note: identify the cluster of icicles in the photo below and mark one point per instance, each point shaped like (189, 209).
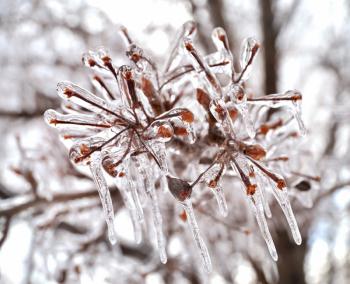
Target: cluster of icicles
(124, 129)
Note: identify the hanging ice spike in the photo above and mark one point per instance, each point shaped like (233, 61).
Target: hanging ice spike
(96, 171)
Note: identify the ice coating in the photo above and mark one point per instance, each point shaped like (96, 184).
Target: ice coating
(241, 166)
(188, 30)
(249, 49)
(106, 201)
(77, 95)
(209, 79)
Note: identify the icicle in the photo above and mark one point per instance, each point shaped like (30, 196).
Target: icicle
(263, 186)
(220, 199)
(187, 205)
(255, 200)
(296, 110)
(157, 220)
(107, 205)
(258, 211)
(136, 199)
(146, 175)
(130, 205)
(160, 131)
(282, 197)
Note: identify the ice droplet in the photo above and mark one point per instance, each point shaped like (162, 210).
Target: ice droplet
(205, 257)
(107, 205)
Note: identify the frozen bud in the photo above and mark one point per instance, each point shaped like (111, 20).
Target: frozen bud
(126, 71)
(237, 94)
(147, 87)
(203, 98)
(254, 151)
(161, 131)
(233, 112)
(220, 39)
(103, 55)
(134, 53)
(50, 117)
(187, 116)
(88, 59)
(165, 132)
(183, 216)
(189, 29)
(251, 188)
(180, 131)
(218, 110)
(179, 188)
(81, 151)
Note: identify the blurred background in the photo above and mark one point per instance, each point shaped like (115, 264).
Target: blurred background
(305, 46)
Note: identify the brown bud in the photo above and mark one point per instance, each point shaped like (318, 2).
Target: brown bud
(281, 184)
(251, 188)
(187, 116)
(183, 216)
(180, 131)
(164, 132)
(256, 152)
(147, 87)
(203, 98)
(84, 149)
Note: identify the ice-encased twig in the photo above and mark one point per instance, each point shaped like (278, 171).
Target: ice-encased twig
(187, 205)
(255, 201)
(107, 205)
